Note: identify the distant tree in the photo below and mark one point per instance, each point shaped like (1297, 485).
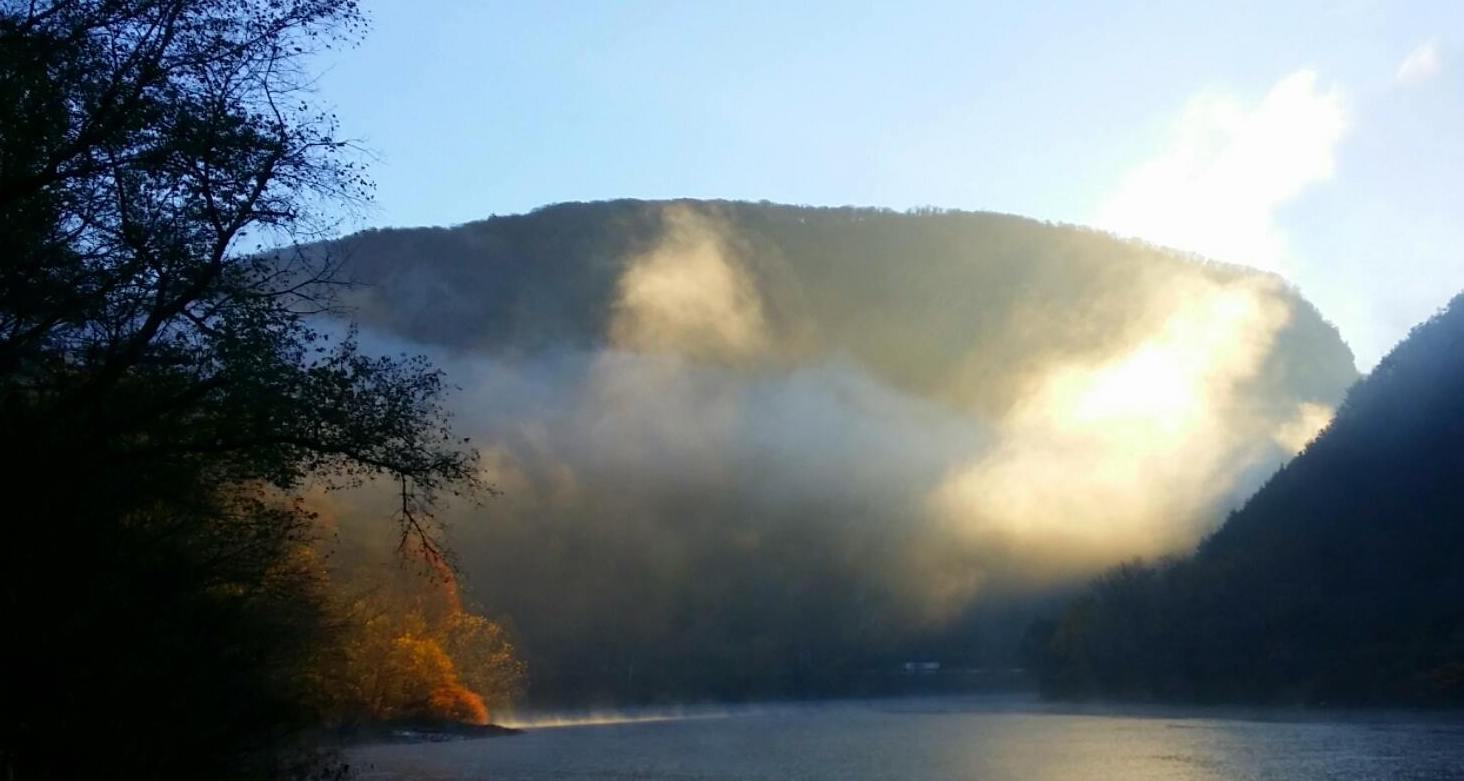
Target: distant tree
(162, 392)
(411, 650)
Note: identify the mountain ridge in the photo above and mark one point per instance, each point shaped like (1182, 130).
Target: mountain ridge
(760, 449)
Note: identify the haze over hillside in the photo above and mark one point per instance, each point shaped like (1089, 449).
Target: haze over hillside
(748, 447)
(1338, 582)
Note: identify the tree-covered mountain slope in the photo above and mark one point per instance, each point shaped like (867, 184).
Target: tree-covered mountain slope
(1340, 581)
(749, 448)
(958, 305)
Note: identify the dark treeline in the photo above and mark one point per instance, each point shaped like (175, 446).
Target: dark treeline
(750, 656)
(1339, 582)
(165, 404)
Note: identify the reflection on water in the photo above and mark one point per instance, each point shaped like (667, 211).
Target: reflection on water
(992, 739)
(537, 721)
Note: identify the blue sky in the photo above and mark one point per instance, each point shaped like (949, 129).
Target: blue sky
(1324, 141)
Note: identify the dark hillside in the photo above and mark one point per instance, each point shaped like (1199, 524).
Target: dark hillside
(1341, 580)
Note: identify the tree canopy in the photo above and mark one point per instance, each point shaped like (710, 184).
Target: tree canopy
(162, 389)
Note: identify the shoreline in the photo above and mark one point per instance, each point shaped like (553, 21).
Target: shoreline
(414, 731)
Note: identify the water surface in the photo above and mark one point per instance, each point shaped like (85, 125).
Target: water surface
(986, 738)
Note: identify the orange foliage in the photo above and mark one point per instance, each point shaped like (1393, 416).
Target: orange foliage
(458, 703)
(408, 647)
(411, 650)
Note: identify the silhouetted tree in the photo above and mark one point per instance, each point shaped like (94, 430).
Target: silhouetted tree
(162, 394)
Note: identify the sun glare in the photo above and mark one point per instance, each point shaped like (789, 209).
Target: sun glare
(1082, 452)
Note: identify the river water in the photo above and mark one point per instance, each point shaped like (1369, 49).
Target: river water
(987, 738)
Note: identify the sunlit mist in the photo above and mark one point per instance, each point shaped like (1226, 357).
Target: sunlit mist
(686, 297)
(853, 425)
(1227, 167)
(1106, 458)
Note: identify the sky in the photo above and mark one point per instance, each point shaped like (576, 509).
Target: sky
(1320, 140)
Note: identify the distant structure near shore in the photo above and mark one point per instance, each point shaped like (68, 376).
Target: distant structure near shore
(921, 667)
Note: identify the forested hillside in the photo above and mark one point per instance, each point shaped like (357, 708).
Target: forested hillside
(961, 306)
(755, 449)
(1340, 581)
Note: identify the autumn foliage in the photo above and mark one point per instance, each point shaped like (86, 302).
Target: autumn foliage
(408, 649)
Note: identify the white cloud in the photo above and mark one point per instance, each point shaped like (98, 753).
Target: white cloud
(1421, 64)
(1226, 169)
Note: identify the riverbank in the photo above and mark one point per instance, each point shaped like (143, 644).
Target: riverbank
(414, 731)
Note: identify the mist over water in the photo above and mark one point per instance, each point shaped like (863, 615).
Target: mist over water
(724, 482)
